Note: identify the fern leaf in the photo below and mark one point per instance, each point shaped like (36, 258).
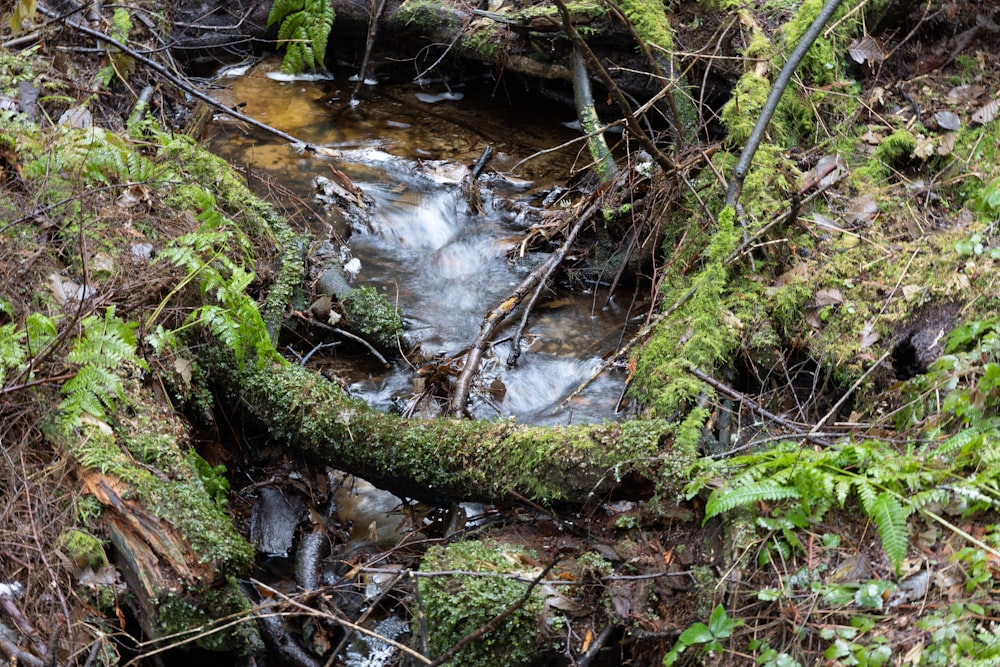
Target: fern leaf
(320, 27)
(866, 494)
(93, 390)
(282, 8)
(12, 352)
(890, 519)
(292, 28)
(723, 500)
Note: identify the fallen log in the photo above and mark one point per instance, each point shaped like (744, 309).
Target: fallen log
(444, 460)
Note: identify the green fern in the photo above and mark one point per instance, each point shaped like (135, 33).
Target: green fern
(890, 519)
(303, 32)
(233, 318)
(105, 347)
(722, 501)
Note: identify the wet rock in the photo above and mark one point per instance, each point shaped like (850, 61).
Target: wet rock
(273, 522)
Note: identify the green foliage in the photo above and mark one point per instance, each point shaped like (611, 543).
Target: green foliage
(708, 637)
(815, 480)
(303, 32)
(205, 255)
(963, 634)
(961, 388)
(212, 477)
(959, 395)
(119, 64)
(105, 347)
(83, 549)
(455, 606)
(101, 156)
(896, 148)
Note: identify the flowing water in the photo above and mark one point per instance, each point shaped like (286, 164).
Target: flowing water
(444, 265)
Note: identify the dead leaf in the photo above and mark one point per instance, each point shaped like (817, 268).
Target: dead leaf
(868, 335)
(866, 50)
(986, 113)
(948, 120)
(872, 138)
(132, 196)
(947, 143)
(828, 297)
(910, 292)
(183, 368)
(861, 210)
(828, 170)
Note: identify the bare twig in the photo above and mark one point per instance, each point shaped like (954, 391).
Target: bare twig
(756, 407)
(616, 92)
(309, 611)
(347, 334)
(857, 383)
(372, 31)
(771, 105)
(178, 82)
(493, 320)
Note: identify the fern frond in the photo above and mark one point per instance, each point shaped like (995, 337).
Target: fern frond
(723, 500)
(282, 8)
(303, 32)
(41, 331)
(12, 350)
(866, 494)
(320, 27)
(93, 390)
(890, 519)
(106, 341)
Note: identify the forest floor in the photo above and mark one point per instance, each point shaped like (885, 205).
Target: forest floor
(892, 241)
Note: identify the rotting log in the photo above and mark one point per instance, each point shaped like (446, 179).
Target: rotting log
(173, 543)
(445, 460)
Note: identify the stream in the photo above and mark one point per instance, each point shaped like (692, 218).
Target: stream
(441, 263)
(407, 147)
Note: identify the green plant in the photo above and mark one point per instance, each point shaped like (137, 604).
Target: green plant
(212, 478)
(119, 63)
(959, 394)
(105, 347)
(23, 10)
(708, 637)
(303, 32)
(205, 256)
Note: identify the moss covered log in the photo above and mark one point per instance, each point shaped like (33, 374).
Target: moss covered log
(442, 460)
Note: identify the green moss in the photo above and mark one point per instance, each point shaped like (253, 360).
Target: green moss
(457, 605)
(741, 112)
(141, 438)
(374, 315)
(178, 616)
(484, 40)
(650, 21)
(83, 549)
(700, 333)
(580, 11)
(897, 147)
(425, 14)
